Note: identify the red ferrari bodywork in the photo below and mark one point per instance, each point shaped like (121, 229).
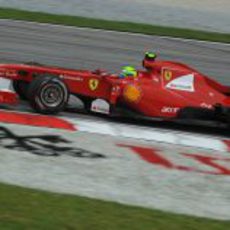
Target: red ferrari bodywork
(162, 90)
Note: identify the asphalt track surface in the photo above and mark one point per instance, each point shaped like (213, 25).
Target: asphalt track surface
(86, 48)
(90, 49)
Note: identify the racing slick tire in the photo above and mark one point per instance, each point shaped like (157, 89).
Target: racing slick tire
(21, 88)
(48, 94)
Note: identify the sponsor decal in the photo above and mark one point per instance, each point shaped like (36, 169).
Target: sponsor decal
(211, 94)
(11, 73)
(156, 79)
(166, 109)
(167, 75)
(72, 78)
(100, 106)
(93, 84)
(183, 83)
(189, 162)
(132, 93)
(205, 105)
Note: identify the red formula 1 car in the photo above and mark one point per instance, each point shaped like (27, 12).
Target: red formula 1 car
(164, 90)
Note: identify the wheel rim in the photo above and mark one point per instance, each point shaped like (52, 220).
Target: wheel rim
(52, 95)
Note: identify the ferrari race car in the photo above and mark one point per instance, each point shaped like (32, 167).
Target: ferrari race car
(163, 90)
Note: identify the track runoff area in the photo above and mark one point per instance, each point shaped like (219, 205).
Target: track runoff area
(161, 169)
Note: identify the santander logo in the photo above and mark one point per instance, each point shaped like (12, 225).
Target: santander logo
(184, 83)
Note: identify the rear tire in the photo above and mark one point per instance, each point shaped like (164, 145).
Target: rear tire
(48, 94)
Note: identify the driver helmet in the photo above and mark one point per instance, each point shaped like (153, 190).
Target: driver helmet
(151, 56)
(128, 71)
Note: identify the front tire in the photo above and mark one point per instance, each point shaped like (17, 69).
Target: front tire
(48, 94)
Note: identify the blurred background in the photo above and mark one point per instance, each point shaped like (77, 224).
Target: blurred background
(212, 15)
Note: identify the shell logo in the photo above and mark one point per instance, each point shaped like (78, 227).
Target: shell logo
(132, 93)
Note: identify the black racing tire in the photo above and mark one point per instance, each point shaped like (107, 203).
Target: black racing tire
(21, 88)
(48, 94)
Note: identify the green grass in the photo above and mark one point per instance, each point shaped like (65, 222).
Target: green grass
(113, 25)
(22, 208)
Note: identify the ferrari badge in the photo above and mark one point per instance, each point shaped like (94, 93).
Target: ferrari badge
(93, 84)
(167, 75)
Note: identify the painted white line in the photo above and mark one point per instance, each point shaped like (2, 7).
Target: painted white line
(185, 40)
(150, 134)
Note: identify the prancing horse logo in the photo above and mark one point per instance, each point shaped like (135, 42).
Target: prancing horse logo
(93, 84)
(168, 75)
